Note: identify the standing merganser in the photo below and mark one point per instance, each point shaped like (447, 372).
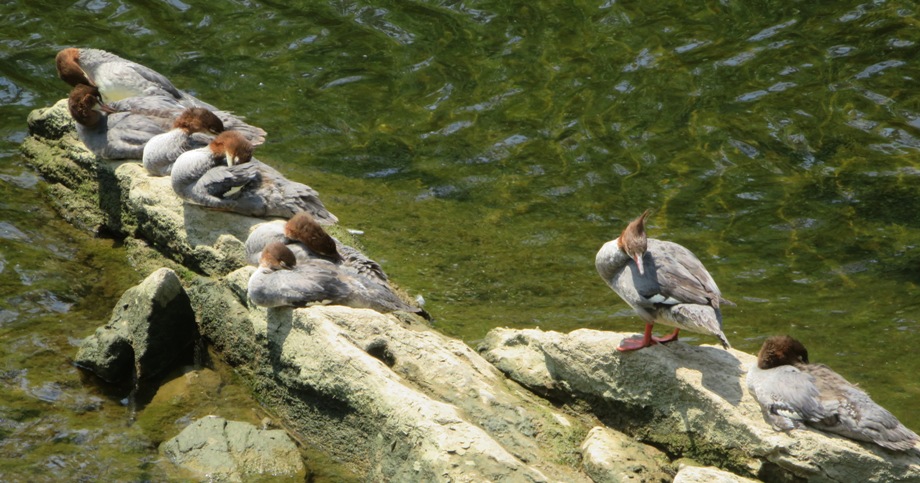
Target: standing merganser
(792, 392)
(281, 281)
(308, 240)
(663, 282)
(120, 130)
(162, 150)
(225, 176)
(118, 78)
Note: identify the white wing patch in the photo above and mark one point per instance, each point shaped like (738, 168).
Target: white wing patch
(661, 299)
(232, 191)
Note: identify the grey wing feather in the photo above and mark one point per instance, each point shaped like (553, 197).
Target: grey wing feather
(126, 134)
(155, 77)
(220, 180)
(787, 396)
(319, 281)
(149, 104)
(852, 413)
(682, 276)
(126, 69)
(232, 122)
(360, 262)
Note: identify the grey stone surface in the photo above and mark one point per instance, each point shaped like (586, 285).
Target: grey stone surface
(152, 328)
(215, 449)
(437, 411)
(691, 400)
(708, 474)
(610, 456)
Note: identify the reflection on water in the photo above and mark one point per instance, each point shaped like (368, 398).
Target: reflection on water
(488, 149)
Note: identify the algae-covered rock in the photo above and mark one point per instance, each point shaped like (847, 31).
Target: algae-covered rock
(215, 449)
(691, 400)
(51, 122)
(152, 328)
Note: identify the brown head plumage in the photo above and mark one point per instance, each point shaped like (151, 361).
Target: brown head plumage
(633, 240)
(303, 228)
(199, 119)
(277, 256)
(82, 104)
(233, 146)
(781, 350)
(67, 62)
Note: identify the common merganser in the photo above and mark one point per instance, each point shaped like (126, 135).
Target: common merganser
(118, 78)
(162, 150)
(308, 240)
(792, 392)
(226, 177)
(663, 282)
(120, 130)
(112, 135)
(281, 281)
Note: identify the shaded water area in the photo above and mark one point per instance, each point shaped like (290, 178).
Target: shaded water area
(488, 149)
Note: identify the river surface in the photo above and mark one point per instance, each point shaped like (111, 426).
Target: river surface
(487, 149)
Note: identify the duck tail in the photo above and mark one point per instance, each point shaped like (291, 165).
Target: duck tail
(723, 341)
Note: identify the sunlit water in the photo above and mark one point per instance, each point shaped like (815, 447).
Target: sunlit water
(488, 149)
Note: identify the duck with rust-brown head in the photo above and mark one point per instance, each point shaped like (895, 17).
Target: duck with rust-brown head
(663, 282)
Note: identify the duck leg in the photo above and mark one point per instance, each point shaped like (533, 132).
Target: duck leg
(633, 343)
(668, 338)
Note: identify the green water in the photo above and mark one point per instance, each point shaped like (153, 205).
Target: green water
(488, 149)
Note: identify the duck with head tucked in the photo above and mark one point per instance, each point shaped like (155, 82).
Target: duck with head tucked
(792, 392)
(225, 176)
(663, 282)
(280, 280)
(307, 239)
(118, 78)
(121, 130)
(193, 129)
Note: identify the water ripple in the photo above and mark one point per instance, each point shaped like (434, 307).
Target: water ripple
(7, 316)
(374, 18)
(644, 60)
(747, 149)
(95, 6)
(852, 15)
(840, 50)
(8, 231)
(12, 94)
(443, 94)
(344, 80)
(500, 150)
(178, 5)
(771, 31)
(25, 180)
(448, 130)
(691, 46)
(739, 59)
(492, 102)
(879, 67)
